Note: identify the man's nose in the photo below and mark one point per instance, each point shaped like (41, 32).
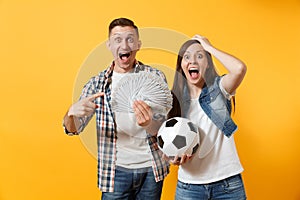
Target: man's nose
(124, 44)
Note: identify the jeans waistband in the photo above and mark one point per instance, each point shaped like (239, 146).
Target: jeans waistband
(227, 179)
(138, 170)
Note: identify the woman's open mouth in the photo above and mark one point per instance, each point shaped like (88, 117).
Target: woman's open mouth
(194, 72)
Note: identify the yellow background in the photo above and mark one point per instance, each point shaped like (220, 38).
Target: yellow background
(44, 43)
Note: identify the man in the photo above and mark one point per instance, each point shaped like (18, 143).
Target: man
(128, 167)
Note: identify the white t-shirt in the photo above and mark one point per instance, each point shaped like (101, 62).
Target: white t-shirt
(133, 150)
(216, 158)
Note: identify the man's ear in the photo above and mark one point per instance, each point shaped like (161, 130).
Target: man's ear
(108, 44)
(139, 44)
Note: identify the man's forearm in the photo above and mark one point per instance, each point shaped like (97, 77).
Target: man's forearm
(71, 123)
(153, 127)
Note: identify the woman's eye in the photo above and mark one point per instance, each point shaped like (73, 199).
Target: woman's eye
(200, 56)
(186, 57)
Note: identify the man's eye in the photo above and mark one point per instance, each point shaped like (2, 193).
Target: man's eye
(118, 40)
(130, 40)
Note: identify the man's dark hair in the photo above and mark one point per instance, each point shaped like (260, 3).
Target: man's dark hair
(122, 22)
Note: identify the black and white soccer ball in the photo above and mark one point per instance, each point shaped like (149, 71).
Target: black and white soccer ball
(178, 136)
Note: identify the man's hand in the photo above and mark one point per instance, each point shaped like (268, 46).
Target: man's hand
(143, 113)
(84, 107)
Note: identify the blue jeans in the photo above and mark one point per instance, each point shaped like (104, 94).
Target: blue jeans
(230, 188)
(136, 184)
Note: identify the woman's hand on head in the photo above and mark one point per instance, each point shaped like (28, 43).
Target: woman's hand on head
(203, 41)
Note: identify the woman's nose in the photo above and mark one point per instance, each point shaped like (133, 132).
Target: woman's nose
(192, 60)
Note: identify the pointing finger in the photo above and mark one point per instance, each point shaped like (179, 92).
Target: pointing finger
(94, 96)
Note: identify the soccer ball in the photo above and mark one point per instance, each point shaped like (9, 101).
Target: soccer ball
(178, 136)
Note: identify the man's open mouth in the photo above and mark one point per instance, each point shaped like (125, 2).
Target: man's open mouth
(124, 56)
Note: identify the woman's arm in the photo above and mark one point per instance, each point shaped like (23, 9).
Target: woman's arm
(236, 68)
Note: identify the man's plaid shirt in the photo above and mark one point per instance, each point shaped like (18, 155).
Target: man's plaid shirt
(106, 132)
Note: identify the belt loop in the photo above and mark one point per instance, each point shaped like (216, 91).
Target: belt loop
(225, 181)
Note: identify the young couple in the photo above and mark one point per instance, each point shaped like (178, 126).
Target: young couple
(133, 167)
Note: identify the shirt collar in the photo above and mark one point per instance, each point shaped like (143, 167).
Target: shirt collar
(138, 66)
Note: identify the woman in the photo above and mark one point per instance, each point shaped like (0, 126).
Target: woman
(204, 97)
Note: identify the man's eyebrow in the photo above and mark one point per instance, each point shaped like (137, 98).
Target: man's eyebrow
(128, 33)
(116, 34)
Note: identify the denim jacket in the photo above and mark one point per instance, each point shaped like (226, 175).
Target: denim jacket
(217, 107)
